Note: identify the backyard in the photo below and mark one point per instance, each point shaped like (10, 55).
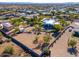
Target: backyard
(8, 48)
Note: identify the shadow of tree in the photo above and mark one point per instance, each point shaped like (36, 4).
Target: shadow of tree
(44, 45)
(41, 47)
(55, 34)
(37, 47)
(72, 51)
(76, 35)
(35, 42)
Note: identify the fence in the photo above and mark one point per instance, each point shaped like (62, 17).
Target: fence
(58, 36)
(25, 48)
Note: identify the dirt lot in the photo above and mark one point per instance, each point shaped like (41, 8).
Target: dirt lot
(18, 52)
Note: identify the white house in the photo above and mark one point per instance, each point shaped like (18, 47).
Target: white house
(7, 25)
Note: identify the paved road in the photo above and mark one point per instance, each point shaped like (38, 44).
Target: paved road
(59, 49)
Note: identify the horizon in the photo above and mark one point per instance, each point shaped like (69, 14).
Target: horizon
(41, 1)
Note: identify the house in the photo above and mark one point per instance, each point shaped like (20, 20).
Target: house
(76, 27)
(44, 12)
(77, 10)
(76, 30)
(32, 16)
(49, 22)
(7, 26)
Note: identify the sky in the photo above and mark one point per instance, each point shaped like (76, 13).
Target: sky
(40, 1)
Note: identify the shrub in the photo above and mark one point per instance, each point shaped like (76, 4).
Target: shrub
(58, 27)
(72, 43)
(8, 50)
(1, 41)
(0, 34)
(46, 51)
(47, 38)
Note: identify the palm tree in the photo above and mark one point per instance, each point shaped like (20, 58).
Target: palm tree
(47, 38)
(37, 29)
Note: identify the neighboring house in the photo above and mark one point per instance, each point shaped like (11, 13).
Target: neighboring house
(22, 14)
(76, 30)
(77, 10)
(7, 26)
(44, 12)
(32, 16)
(62, 10)
(48, 23)
(76, 27)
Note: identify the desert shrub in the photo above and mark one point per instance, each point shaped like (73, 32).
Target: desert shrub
(9, 50)
(72, 43)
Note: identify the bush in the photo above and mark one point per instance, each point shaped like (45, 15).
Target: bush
(0, 34)
(47, 38)
(72, 43)
(63, 22)
(1, 41)
(47, 52)
(58, 27)
(8, 50)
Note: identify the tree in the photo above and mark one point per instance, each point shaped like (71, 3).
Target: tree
(37, 29)
(16, 30)
(59, 17)
(1, 41)
(62, 22)
(36, 39)
(72, 43)
(8, 50)
(47, 38)
(53, 13)
(16, 21)
(46, 51)
(58, 27)
(23, 18)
